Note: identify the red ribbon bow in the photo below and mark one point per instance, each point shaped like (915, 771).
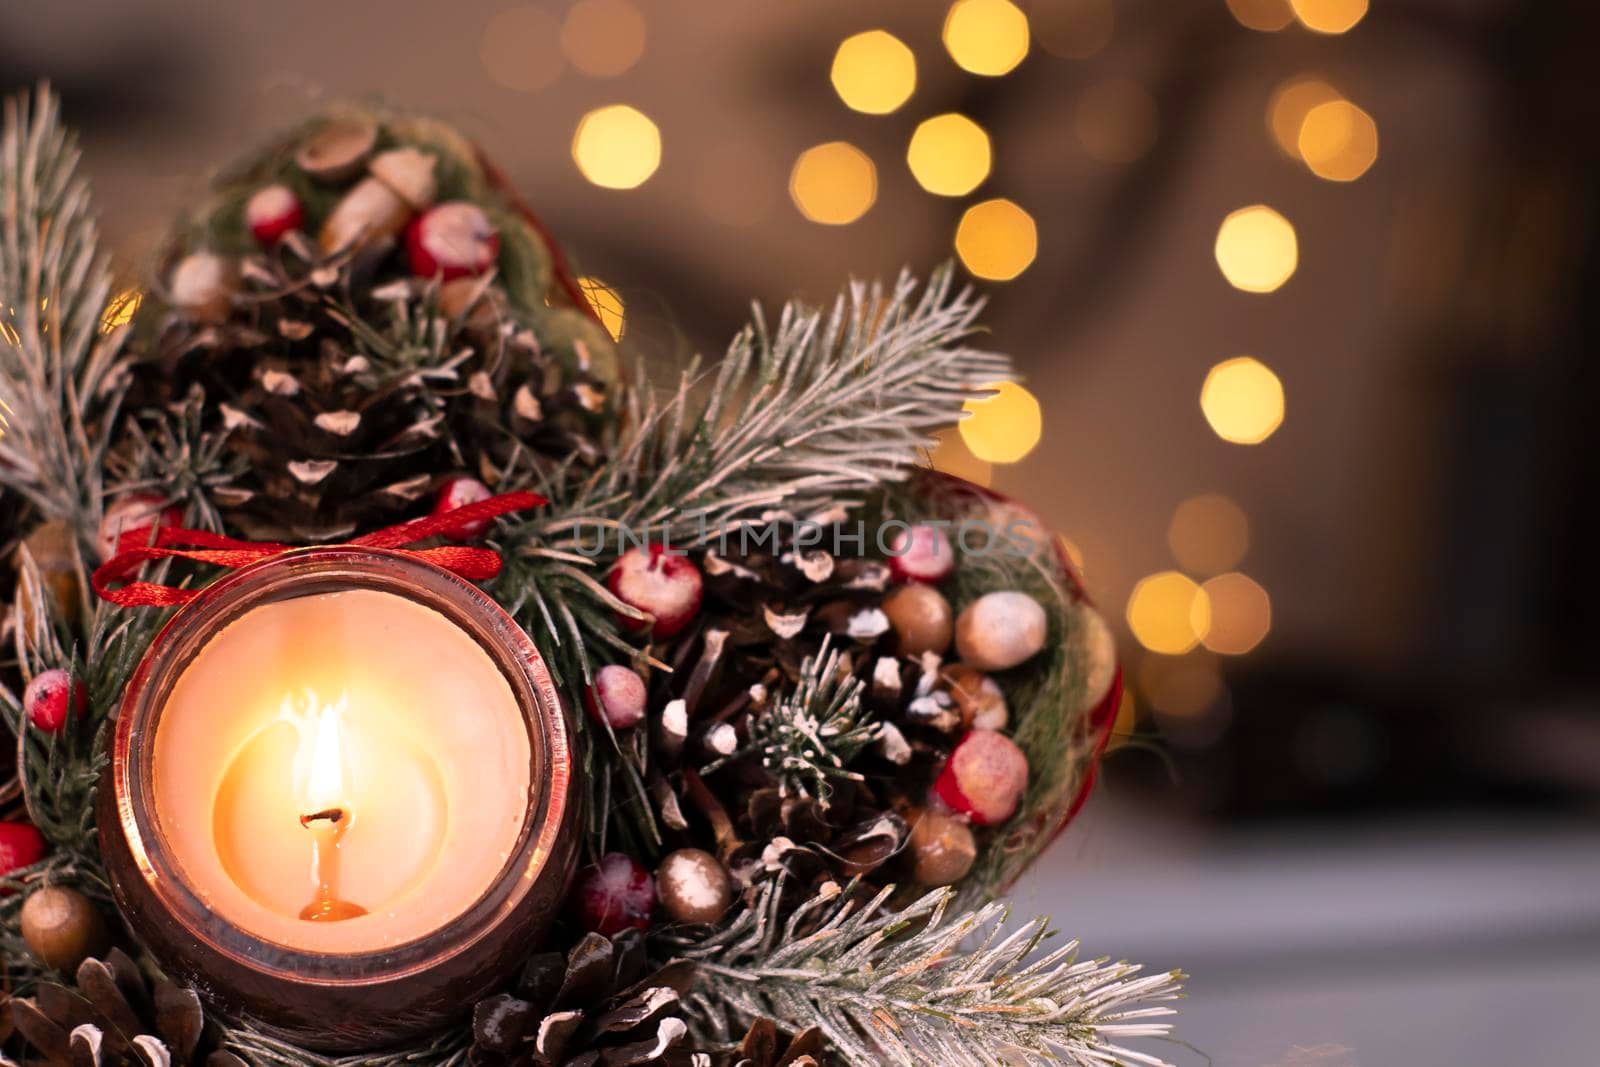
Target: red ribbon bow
(135, 549)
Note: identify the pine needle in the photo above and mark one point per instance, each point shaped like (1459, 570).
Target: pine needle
(55, 365)
(917, 984)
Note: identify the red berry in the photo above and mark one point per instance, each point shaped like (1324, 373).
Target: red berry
(20, 846)
(617, 697)
(984, 778)
(663, 584)
(613, 895)
(452, 240)
(458, 493)
(134, 514)
(272, 212)
(49, 697)
(921, 554)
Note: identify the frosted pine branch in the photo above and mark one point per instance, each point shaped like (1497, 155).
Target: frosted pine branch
(55, 364)
(818, 411)
(890, 985)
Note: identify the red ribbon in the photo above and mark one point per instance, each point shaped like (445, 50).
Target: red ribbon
(136, 548)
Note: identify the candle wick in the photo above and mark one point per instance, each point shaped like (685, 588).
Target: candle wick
(332, 815)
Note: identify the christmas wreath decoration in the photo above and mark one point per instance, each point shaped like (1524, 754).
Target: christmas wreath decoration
(828, 704)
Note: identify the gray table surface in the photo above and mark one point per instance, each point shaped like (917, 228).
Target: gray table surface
(1467, 942)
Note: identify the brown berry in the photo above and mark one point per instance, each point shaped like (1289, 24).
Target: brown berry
(693, 887)
(982, 703)
(942, 848)
(921, 618)
(998, 631)
(62, 927)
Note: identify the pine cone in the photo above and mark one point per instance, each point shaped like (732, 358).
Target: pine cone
(339, 404)
(590, 1006)
(118, 1018)
(763, 1046)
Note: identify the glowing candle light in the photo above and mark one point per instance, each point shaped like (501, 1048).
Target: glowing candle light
(338, 765)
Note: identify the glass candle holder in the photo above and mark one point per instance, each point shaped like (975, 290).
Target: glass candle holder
(361, 733)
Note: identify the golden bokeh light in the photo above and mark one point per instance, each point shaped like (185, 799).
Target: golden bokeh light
(1242, 400)
(1289, 105)
(1074, 29)
(997, 240)
(603, 38)
(952, 456)
(617, 147)
(874, 72)
(949, 155)
(607, 304)
(519, 48)
(1004, 427)
(1338, 141)
(1256, 249)
(120, 309)
(1208, 534)
(1180, 687)
(1241, 614)
(1116, 120)
(988, 37)
(833, 183)
(1268, 16)
(1168, 613)
(1329, 16)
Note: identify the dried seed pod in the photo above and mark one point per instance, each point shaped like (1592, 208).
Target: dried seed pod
(336, 152)
(982, 702)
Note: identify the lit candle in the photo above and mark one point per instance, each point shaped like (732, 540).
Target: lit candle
(361, 701)
(340, 795)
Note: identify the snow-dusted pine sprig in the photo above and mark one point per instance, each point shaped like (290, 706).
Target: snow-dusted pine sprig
(809, 738)
(55, 364)
(825, 408)
(915, 984)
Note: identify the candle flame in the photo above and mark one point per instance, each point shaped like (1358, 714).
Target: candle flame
(320, 760)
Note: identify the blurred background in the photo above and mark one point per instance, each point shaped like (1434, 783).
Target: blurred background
(1302, 294)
